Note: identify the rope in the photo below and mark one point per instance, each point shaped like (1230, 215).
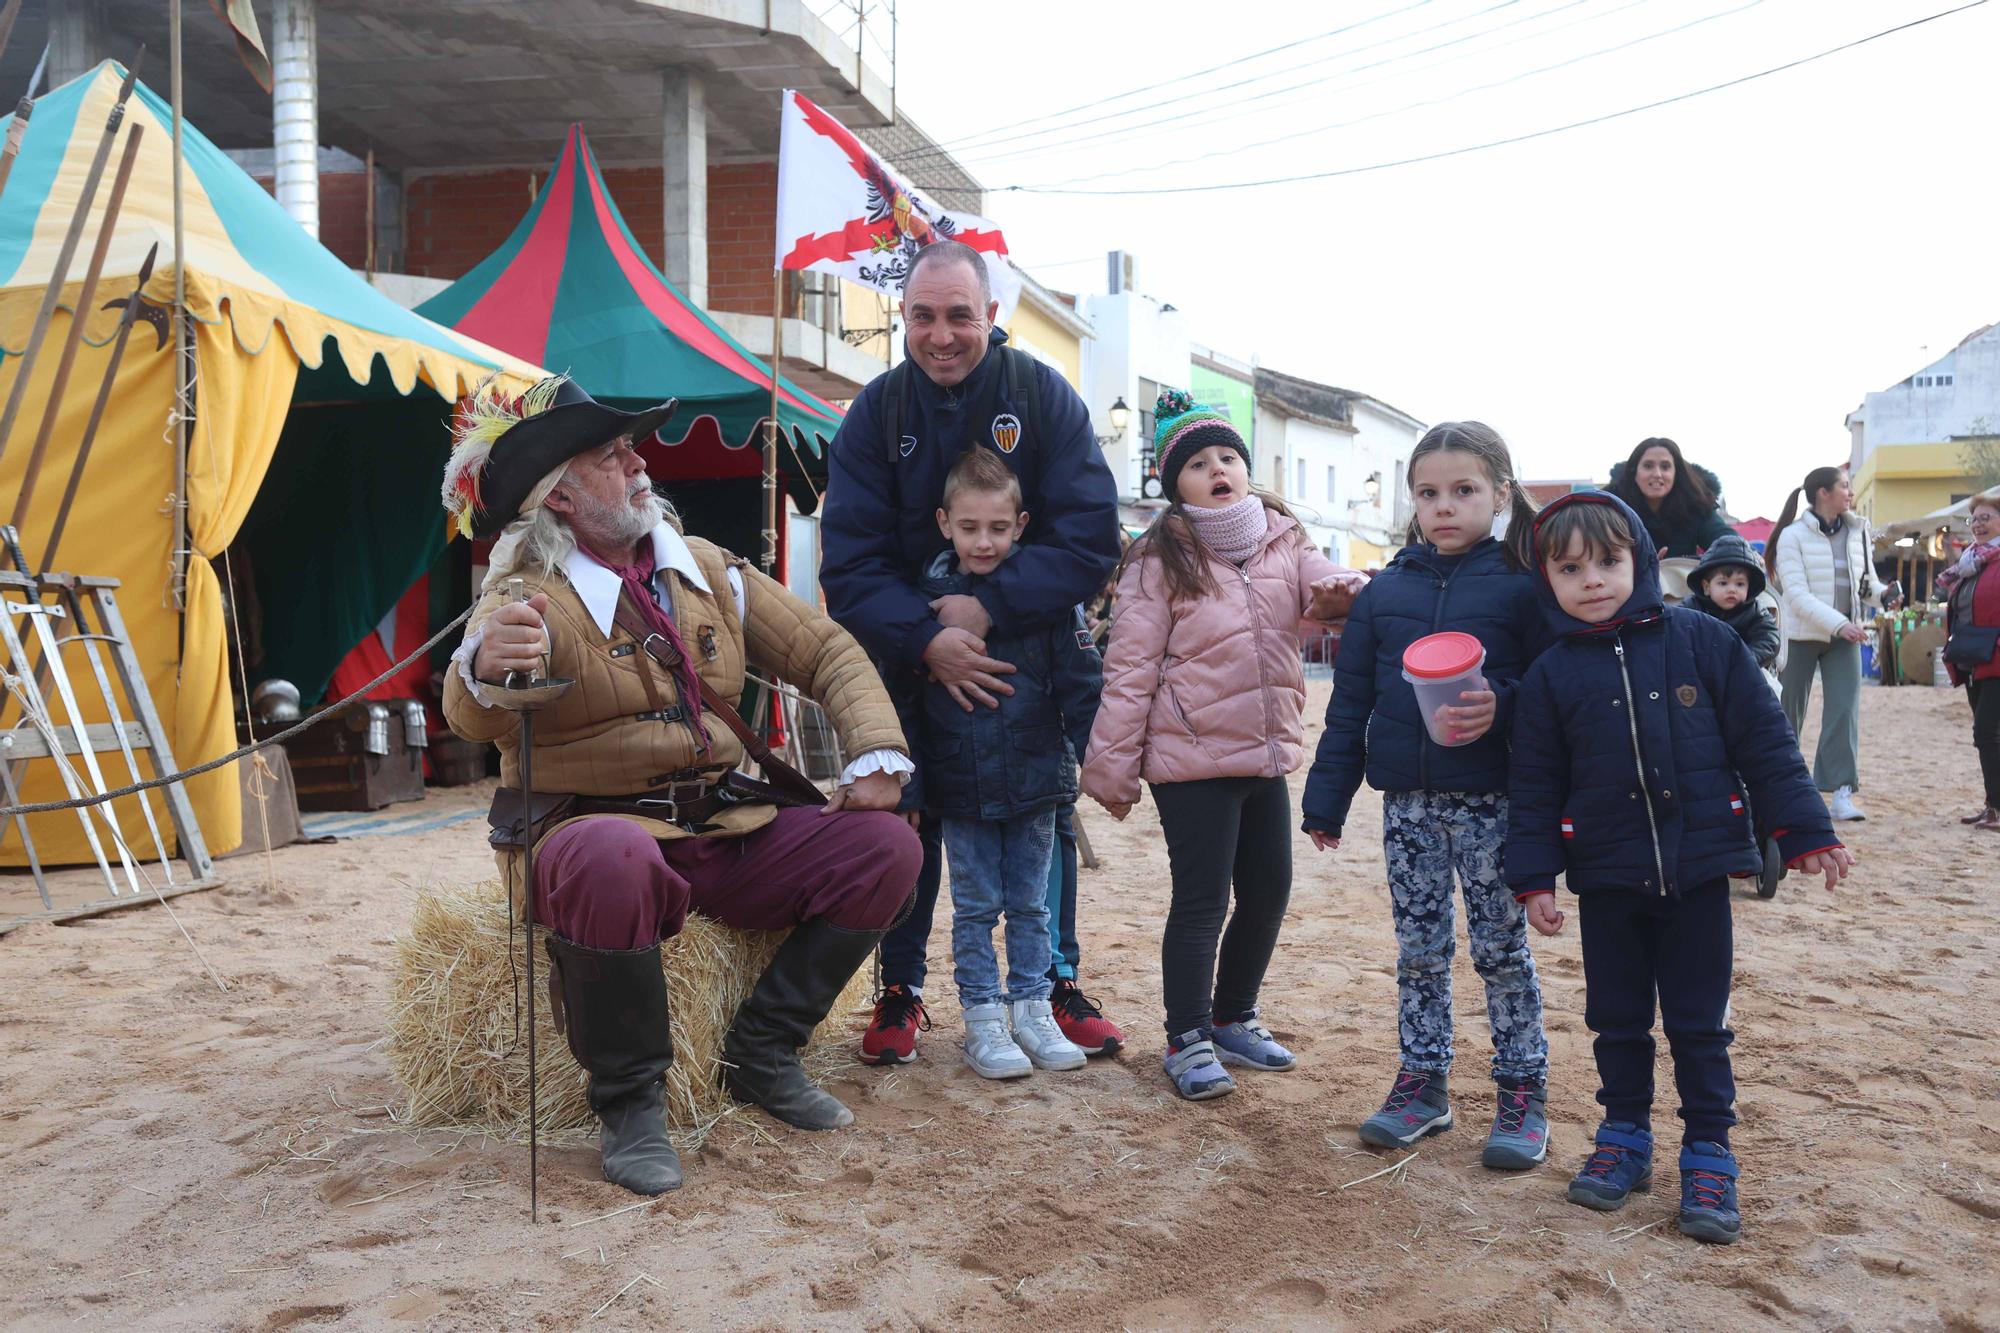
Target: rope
(45, 807)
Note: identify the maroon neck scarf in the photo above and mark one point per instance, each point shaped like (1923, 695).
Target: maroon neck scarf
(636, 580)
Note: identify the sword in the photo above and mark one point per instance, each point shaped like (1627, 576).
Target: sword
(526, 693)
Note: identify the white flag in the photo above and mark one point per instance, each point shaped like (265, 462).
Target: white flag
(842, 210)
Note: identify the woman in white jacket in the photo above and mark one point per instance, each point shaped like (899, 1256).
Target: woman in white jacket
(1821, 563)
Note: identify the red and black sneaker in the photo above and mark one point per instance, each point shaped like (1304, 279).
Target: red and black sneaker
(891, 1038)
(1082, 1022)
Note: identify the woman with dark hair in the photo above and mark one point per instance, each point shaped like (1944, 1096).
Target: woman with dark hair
(1971, 589)
(1675, 501)
(1821, 561)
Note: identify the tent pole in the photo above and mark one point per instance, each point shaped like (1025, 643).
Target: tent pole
(181, 404)
(770, 558)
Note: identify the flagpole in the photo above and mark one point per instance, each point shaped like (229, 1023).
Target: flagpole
(178, 582)
(770, 560)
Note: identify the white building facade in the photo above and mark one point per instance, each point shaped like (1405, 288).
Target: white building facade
(1141, 346)
(1338, 458)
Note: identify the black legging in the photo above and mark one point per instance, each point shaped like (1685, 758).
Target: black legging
(1222, 831)
(1985, 696)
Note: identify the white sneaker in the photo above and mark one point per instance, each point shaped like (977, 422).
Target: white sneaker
(988, 1048)
(1035, 1029)
(1842, 806)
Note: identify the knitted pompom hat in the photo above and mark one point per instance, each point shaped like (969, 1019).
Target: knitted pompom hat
(1183, 428)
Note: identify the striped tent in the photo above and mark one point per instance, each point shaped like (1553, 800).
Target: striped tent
(274, 317)
(573, 290)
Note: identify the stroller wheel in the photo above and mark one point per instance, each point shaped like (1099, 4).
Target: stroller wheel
(1774, 870)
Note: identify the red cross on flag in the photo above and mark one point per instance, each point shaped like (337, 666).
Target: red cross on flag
(842, 210)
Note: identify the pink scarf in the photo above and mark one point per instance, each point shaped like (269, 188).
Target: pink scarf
(638, 582)
(1233, 532)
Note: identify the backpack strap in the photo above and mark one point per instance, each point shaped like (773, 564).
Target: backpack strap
(1024, 390)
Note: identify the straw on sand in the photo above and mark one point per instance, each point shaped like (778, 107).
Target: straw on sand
(456, 1048)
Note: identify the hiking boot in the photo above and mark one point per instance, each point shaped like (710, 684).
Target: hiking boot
(1080, 1020)
(1842, 807)
(1190, 1062)
(1040, 1039)
(1250, 1044)
(1708, 1194)
(1417, 1105)
(1520, 1136)
(891, 1039)
(1620, 1164)
(989, 1046)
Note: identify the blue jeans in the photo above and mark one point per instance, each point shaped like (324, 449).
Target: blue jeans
(904, 948)
(1062, 897)
(996, 866)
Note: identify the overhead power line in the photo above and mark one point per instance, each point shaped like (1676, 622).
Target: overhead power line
(1184, 188)
(1237, 149)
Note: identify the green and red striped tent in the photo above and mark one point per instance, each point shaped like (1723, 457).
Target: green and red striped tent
(572, 290)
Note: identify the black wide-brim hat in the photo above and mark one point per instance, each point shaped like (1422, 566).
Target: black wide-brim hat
(535, 446)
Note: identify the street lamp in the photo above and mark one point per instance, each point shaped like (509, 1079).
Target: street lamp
(1119, 415)
(1371, 488)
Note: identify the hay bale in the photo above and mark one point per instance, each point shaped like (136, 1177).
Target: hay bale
(453, 1040)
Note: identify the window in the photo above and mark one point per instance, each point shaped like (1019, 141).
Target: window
(1149, 397)
(1947, 379)
(1300, 493)
(1329, 483)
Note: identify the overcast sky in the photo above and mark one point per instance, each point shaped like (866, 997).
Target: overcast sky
(1735, 270)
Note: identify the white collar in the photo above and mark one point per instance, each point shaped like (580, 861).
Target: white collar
(598, 587)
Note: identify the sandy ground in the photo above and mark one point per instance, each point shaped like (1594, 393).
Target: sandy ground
(177, 1157)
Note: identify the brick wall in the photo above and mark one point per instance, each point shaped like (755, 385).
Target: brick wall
(742, 225)
(453, 220)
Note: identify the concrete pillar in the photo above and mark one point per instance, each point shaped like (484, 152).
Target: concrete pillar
(295, 109)
(76, 40)
(684, 155)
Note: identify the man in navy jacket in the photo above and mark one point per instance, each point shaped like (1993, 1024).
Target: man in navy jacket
(1640, 741)
(960, 387)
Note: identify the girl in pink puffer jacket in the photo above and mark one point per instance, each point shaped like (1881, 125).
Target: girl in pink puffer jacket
(1204, 701)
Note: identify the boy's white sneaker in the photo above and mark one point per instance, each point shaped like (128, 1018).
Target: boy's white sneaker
(1036, 1030)
(1842, 807)
(989, 1048)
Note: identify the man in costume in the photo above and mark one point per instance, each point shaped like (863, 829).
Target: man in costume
(639, 814)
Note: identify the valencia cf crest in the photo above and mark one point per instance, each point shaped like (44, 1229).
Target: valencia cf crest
(908, 445)
(1006, 432)
(1687, 694)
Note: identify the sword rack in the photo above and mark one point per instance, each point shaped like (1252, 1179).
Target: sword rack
(58, 629)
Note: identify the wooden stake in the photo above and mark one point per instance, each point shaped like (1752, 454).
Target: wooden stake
(86, 295)
(770, 557)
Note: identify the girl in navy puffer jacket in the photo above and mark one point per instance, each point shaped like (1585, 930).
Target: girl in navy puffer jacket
(1445, 806)
(1636, 739)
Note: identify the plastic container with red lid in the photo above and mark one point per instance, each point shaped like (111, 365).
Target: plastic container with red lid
(1441, 667)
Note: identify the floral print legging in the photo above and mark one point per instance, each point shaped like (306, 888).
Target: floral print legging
(1426, 837)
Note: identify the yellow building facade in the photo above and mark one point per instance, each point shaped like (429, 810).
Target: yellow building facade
(1048, 329)
(1903, 481)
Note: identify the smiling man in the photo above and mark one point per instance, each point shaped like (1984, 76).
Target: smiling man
(962, 387)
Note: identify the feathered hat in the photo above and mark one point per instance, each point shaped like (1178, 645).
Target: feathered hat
(503, 448)
(1183, 428)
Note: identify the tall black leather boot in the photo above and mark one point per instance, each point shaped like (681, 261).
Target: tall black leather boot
(613, 1004)
(761, 1053)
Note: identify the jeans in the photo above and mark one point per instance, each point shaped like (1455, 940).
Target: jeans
(1636, 946)
(904, 949)
(1837, 763)
(1426, 836)
(1062, 899)
(1222, 834)
(1000, 866)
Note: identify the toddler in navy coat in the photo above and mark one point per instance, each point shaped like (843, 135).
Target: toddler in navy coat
(1636, 738)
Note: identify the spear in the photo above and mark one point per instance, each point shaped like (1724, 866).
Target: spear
(136, 307)
(74, 338)
(15, 133)
(53, 295)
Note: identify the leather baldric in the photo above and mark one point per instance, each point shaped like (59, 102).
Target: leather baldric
(784, 781)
